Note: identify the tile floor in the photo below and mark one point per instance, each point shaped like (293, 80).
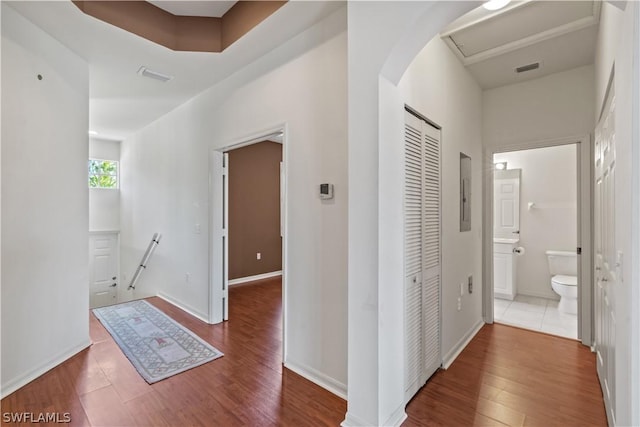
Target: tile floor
(538, 314)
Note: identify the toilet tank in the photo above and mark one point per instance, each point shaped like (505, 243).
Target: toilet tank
(562, 262)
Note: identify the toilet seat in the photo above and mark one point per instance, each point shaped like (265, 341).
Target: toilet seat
(565, 280)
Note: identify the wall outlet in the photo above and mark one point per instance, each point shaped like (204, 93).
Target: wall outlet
(459, 303)
(470, 284)
(258, 256)
(461, 288)
(197, 229)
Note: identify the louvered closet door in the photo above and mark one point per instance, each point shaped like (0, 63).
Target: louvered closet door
(422, 253)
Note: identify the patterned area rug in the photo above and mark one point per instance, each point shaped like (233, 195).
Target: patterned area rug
(158, 346)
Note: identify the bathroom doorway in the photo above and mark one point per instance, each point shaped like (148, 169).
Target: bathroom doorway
(538, 226)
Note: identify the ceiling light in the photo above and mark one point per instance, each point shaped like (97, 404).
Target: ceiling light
(93, 133)
(500, 165)
(144, 71)
(495, 4)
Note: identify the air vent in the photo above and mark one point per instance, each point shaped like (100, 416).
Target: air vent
(528, 67)
(144, 71)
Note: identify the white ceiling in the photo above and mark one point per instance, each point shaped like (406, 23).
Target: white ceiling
(559, 35)
(213, 9)
(121, 101)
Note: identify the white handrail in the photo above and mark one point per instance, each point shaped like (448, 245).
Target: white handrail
(155, 240)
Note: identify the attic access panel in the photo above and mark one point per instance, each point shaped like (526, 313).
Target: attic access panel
(520, 22)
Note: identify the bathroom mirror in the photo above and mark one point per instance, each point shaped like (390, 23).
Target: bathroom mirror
(465, 192)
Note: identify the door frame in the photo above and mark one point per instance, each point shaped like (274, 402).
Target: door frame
(584, 177)
(216, 212)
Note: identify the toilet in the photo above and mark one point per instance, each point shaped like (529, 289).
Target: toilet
(563, 267)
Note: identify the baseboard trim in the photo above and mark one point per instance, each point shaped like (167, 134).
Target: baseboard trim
(506, 297)
(395, 420)
(552, 295)
(317, 377)
(182, 306)
(451, 356)
(353, 421)
(254, 278)
(22, 380)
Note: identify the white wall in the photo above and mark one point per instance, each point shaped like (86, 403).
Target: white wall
(165, 174)
(554, 106)
(617, 44)
(440, 88)
(611, 24)
(399, 31)
(45, 293)
(104, 204)
(548, 179)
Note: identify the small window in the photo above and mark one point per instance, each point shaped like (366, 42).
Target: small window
(103, 173)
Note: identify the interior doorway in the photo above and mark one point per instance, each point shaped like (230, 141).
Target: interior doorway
(255, 228)
(248, 226)
(535, 266)
(540, 239)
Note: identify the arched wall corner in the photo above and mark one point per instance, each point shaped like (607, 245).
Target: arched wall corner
(434, 17)
(383, 40)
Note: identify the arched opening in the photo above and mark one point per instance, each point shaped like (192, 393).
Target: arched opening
(376, 106)
(376, 122)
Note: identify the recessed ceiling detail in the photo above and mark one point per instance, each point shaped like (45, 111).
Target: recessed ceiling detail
(520, 23)
(212, 9)
(182, 33)
(492, 44)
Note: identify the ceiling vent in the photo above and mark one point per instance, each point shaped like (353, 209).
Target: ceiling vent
(528, 67)
(144, 71)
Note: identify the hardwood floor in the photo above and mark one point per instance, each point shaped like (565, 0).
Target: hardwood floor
(511, 376)
(248, 386)
(505, 376)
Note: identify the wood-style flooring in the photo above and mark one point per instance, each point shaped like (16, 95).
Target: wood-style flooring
(515, 377)
(246, 387)
(505, 376)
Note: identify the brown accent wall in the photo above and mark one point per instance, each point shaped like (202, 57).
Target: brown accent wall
(182, 33)
(254, 209)
(243, 16)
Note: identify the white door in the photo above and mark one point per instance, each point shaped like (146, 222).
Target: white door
(422, 253)
(605, 256)
(103, 269)
(219, 250)
(506, 205)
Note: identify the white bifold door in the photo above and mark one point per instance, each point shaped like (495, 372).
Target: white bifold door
(422, 252)
(605, 274)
